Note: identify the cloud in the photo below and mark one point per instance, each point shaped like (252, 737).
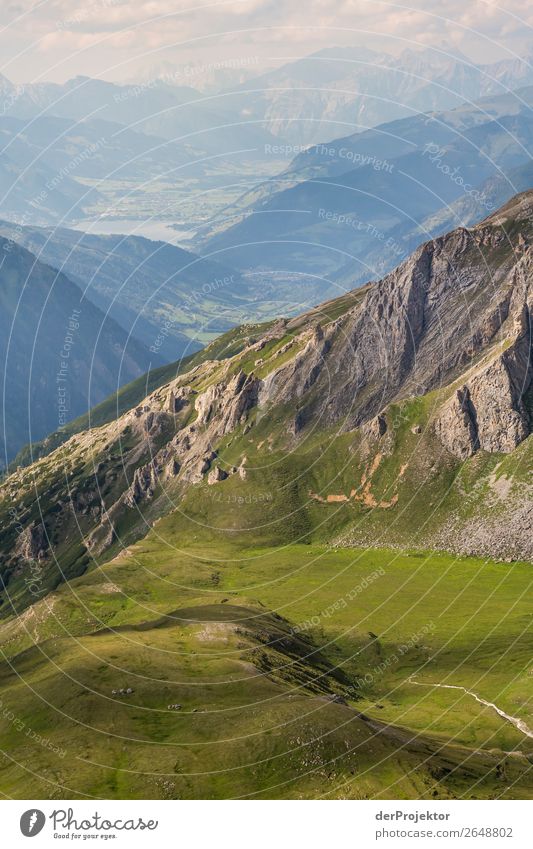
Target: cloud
(116, 37)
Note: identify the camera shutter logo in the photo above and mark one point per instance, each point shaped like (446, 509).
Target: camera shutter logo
(32, 822)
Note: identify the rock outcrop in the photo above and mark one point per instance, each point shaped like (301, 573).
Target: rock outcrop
(489, 412)
(228, 403)
(375, 428)
(296, 378)
(143, 485)
(178, 399)
(456, 425)
(215, 475)
(32, 543)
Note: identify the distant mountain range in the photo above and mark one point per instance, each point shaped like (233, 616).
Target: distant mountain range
(179, 114)
(358, 204)
(87, 129)
(146, 286)
(167, 298)
(341, 90)
(343, 211)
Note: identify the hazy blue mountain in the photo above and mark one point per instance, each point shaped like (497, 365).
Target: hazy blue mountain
(95, 149)
(60, 353)
(466, 211)
(145, 285)
(174, 113)
(341, 90)
(166, 297)
(33, 191)
(44, 160)
(331, 93)
(496, 190)
(380, 145)
(371, 193)
(89, 129)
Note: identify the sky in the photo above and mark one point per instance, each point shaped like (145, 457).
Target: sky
(131, 39)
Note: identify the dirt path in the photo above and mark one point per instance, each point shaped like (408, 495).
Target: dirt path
(518, 723)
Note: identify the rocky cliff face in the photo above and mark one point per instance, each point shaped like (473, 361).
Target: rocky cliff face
(456, 425)
(489, 411)
(440, 314)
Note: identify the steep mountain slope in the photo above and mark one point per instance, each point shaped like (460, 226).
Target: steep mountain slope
(208, 566)
(401, 380)
(60, 353)
(493, 193)
(169, 298)
(131, 395)
(466, 211)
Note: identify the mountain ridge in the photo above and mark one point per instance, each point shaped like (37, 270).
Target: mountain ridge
(447, 334)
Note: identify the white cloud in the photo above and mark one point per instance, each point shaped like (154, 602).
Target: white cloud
(114, 38)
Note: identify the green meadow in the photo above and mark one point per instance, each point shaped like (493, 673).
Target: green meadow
(294, 668)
